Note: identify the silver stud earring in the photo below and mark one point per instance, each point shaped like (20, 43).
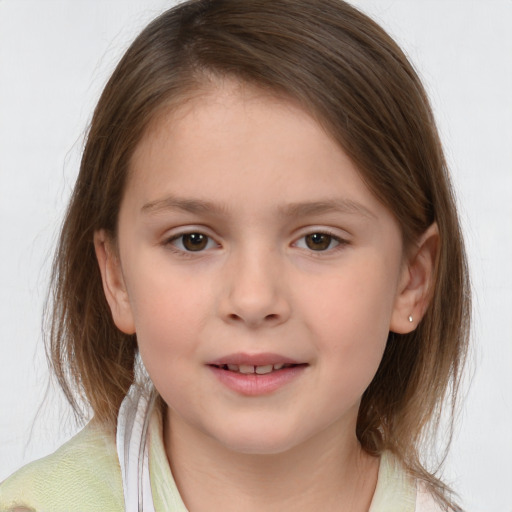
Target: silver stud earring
(410, 318)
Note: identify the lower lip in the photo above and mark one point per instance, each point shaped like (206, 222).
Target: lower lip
(253, 384)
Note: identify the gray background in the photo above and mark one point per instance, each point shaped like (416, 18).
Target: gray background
(55, 56)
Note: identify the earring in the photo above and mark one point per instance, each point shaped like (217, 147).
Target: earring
(410, 318)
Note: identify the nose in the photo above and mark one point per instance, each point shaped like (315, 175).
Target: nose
(254, 291)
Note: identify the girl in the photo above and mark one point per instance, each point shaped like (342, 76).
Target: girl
(260, 288)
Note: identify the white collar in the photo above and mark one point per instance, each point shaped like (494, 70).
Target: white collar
(132, 442)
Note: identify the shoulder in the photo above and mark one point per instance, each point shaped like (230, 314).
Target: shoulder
(398, 491)
(425, 502)
(83, 474)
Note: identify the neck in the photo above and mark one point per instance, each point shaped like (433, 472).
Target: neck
(331, 472)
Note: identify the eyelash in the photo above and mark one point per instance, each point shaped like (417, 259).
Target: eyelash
(340, 243)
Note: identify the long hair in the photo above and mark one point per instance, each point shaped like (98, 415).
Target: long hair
(344, 70)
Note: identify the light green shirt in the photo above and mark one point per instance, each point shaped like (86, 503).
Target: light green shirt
(84, 476)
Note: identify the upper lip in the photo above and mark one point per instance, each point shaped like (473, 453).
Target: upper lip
(262, 359)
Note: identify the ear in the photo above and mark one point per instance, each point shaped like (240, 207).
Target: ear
(416, 280)
(113, 282)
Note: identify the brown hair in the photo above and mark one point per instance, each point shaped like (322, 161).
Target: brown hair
(346, 71)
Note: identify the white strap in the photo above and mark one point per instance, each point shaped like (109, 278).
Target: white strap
(132, 442)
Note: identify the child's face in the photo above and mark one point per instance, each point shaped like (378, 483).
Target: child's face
(247, 237)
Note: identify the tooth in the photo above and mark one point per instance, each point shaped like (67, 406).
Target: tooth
(233, 367)
(278, 366)
(260, 370)
(246, 368)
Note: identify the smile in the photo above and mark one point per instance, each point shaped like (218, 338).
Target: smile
(247, 369)
(257, 374)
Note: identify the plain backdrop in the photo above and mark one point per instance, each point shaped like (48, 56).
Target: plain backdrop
(55, 56)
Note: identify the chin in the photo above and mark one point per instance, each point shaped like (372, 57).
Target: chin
(263, 441)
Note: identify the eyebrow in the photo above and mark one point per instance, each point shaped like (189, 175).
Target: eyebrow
(301, 209)
(313, 208)
(183, 204)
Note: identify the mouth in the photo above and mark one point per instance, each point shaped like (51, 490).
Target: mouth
(256, 374)
(248, 369)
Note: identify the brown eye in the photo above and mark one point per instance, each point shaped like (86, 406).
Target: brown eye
(318, 241)
(194, 241)
(191, 242)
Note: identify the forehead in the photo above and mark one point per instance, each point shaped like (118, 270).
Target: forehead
(232, 140)
(218, 103)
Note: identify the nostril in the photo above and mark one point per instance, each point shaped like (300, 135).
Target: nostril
(268, 318)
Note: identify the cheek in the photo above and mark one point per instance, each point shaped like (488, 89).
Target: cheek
(350, 320)
(168, 314)
(167, 336)
(358, 299)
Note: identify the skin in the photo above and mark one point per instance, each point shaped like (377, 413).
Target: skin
(243, 169)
